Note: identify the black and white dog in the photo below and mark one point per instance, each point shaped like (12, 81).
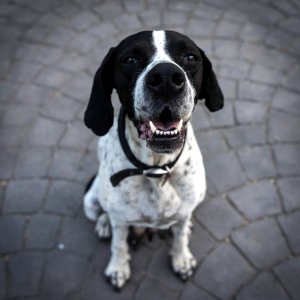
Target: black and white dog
(151, 173)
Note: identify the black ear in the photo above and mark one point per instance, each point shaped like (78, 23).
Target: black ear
(210, 89)
(99, 115)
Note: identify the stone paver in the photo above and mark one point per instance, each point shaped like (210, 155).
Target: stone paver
(70, 266)
(225, 217)
(289, 273)
(94, 287)
(2, 280)
(285, 157)
(290, 103)
(42, 231)
(256, 200)
(78, 231)
(240, 136)
(290, 189)
(159, 267)
(263, 287)
(61, 108)
(250, 112)
(223, 271)
(24, 196)
(192, 292)
(64, 197)
(290, 224)
(245, 237)
(217, 167)
(262, 243)
(65, 163)
(211, 142)
(20, 266)
(200, 249)
(7, 160)
(44, 132)
(283, 127)
(11, 232)
(33, 162)
(150, 289)
(257, 162)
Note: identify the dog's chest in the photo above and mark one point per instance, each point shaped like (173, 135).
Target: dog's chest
(152, 205)
(143, 201)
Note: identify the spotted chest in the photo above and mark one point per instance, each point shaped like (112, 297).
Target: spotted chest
(142, 201)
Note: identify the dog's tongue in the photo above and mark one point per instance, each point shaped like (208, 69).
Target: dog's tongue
(166, 126)
(144, 129)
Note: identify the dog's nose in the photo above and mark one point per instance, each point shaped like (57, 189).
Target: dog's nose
(165, 79)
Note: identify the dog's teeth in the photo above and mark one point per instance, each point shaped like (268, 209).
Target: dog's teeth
(179, 125)
(152, 127)
(165, 133)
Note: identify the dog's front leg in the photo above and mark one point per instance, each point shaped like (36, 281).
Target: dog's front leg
(183, 261)
(118, 270)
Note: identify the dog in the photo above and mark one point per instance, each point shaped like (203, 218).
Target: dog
(151, 172)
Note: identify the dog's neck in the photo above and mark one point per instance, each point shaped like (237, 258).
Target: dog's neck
(140, 149)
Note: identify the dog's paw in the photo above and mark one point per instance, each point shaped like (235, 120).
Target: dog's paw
(184, 265)
(117, 276)
(103, 228)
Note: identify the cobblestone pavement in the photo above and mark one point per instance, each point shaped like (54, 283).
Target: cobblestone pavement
(246, 237)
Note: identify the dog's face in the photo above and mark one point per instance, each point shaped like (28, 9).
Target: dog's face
(159, 76)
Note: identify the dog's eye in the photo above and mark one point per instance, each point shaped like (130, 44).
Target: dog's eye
(130, 60)
(190, 58)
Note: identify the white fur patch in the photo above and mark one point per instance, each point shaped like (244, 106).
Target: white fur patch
(159, 42)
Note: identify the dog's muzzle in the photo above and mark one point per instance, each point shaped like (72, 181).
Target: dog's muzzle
(167, 91)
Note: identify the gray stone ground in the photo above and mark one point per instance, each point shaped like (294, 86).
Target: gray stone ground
(246, 237)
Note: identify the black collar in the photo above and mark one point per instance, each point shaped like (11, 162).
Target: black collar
(141, 168)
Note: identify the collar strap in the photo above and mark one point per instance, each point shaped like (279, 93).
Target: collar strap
(141, 168)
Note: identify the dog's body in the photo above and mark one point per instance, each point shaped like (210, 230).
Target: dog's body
(141, 201)
(158, 92)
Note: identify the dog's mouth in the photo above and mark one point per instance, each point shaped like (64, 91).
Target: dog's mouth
(157, 129)
(163, 137)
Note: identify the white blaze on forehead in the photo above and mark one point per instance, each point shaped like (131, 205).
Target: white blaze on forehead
(159, 42)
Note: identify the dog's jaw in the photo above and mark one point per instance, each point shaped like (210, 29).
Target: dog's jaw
(163, 137)
(151, 129)
(152, 154)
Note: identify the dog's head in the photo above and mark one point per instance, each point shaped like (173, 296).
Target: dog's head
(159, 77)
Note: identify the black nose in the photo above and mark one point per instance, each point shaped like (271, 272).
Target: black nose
(165, 79)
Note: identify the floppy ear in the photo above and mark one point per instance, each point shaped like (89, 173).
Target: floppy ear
(99, 115)
(210, 89)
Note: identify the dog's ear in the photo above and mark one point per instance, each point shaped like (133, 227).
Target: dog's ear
(210, 89)
(100, 113)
